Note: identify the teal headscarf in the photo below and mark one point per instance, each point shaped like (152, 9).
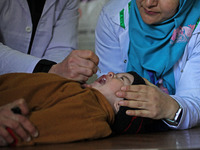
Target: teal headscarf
(154, 49)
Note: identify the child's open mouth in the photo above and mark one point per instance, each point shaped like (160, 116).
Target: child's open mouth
(102, 79)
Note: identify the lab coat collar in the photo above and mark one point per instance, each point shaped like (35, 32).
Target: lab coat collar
(47, 5)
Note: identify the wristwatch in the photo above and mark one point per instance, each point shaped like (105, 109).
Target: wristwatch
(177, 117)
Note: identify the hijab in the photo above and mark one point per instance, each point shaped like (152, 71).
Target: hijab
(154, 49)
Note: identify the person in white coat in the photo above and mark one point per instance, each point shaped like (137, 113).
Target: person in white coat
(36, 35)
(160, 41)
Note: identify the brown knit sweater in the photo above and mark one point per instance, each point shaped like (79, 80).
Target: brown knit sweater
(60, 108)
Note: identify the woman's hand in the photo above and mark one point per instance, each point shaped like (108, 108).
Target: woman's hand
(78, 65)
(18, 123)
(149, 101)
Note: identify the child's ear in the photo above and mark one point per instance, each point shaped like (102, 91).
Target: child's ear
(116, 106)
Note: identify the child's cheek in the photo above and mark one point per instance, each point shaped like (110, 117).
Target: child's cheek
(116, 86)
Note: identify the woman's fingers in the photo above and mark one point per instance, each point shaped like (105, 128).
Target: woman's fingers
(5, 137)
(78, 65)
(139, 113)
(149, 101)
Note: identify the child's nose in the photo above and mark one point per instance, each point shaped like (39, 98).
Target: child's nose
(111, 74)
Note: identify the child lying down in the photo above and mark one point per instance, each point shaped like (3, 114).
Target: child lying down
(65, 110)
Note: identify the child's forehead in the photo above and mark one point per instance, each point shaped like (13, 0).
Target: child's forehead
(125, 74)
(129, 76)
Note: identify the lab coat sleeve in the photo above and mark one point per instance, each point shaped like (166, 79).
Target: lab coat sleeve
(64, 34)
(107, 44)
(55, 37)
(20, 62)
(188, 87)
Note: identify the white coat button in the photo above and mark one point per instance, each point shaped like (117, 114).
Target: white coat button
(28, 29)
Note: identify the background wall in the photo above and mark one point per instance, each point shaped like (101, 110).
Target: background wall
(89, 13)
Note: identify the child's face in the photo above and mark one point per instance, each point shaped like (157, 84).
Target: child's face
(109, 84)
